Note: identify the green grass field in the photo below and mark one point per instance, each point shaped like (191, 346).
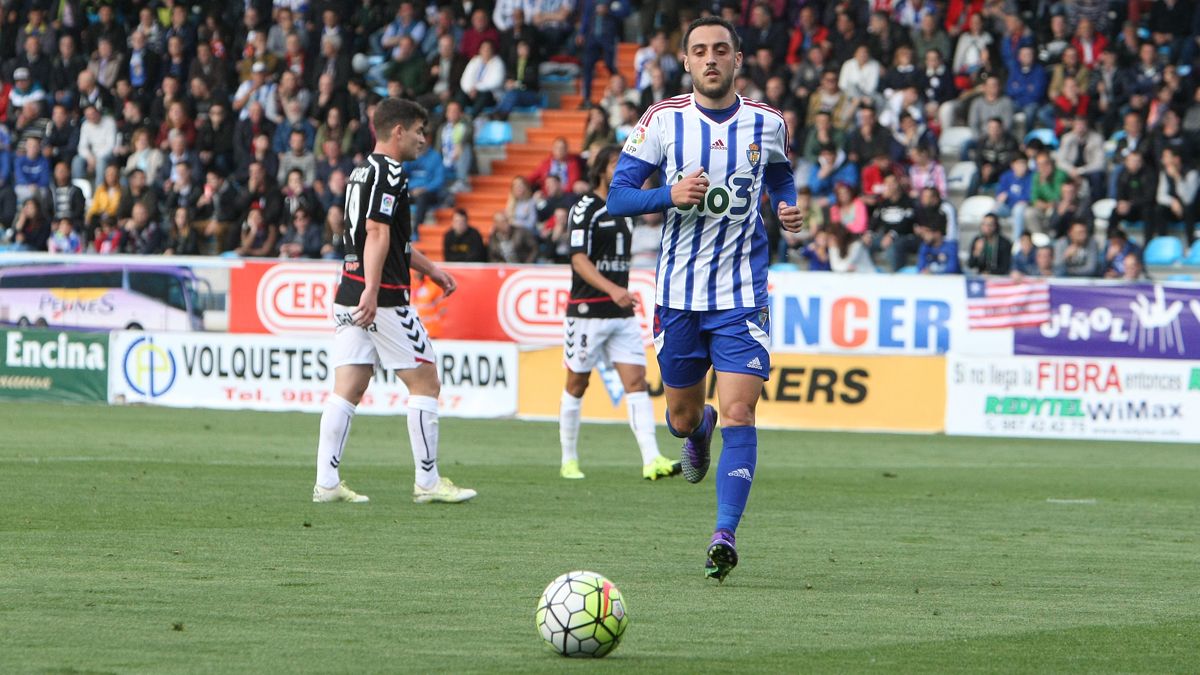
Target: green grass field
(155, 540)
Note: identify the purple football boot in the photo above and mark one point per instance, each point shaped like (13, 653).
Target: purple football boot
(695, 456)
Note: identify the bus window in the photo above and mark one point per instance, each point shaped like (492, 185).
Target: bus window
(164, 287)
(101, 279)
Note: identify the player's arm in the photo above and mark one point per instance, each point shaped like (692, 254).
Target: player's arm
(781, 184)
(441, 277)
(640, 159)
(586, 269)
(375, 248)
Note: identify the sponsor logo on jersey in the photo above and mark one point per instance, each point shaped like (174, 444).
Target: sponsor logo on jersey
(577, 237)
(753, 153)
(387, 205)
(636, 139)
(718, 145)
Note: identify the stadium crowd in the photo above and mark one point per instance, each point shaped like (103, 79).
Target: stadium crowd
(162, 127)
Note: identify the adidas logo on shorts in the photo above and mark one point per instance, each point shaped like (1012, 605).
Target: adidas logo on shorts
(755, 364)
(741, 473)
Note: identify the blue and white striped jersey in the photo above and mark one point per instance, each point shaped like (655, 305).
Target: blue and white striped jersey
(713, 256)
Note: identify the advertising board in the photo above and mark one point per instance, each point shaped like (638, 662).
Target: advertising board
(53, 365)
(199, 370)
(1074, 397)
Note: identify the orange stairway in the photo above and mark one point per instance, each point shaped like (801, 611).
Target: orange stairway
(489, 194)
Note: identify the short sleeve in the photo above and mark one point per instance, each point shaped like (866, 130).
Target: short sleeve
(777, 149)
(645, 141)
(390, 194)
(580, 224)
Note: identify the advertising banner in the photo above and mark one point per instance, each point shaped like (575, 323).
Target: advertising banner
(859, 393)
(54, 366)
(1142, 321)
(200, 370)
(1056, 397)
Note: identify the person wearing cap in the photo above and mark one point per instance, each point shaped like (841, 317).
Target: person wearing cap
(24, 90)
(259, 88)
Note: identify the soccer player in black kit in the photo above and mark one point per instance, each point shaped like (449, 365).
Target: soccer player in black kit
(600, 326)
(375, 325)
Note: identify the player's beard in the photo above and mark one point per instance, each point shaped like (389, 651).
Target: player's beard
(715, 91)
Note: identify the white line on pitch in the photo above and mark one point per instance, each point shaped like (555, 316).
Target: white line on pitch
(1052, 500)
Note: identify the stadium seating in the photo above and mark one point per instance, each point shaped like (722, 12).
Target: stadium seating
(1102, 210)
(494, 132)
(1193, 256)
(1046, 137)
(960, 177)
(954, 139)
(1164, 251)
(973, 209)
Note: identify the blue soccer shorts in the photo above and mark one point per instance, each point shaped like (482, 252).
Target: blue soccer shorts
(730, 340)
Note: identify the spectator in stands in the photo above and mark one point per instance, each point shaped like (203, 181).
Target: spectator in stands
(142, 235)
(970, 49)
(1134, 269)
(892, 224)
(64, 239)
(596, 39)
(297, 195)
(65, 69)
(1116, 251)
(257, 89)
(657, 55)
(1080, 155)
(846, 250)
(182, 239)
(426, 183)
(297, 158)
(406, 24)
(1136, 196)
(508, 244)
(1027, 84)
(1170, 134)
(31, 231)
(521, 90)
(25, 90)
(482, 79)
(137, 191)
(928, 36)
(177, 120)
(521, 208)
(31, 171)
(1070, 68)
(302, 238)
(446, 70)
(859, 78)
(913, 134)
(995, 153)
(1077, 254)
(145, 156)
(869, 139)
(1024, 259)
(411, 71)
(848, 210)
(106, 198)
(933, 211)
(520, 29)
(616, 94)
(925, 172)
(66, 200)
(1169, 24)
(832, 168)
(657, 90)
(937, 255)
(560, 163)
(873, 177)
(1070, 103)
(217, 210)
(764, 31)
(335, 243)
(816, 252)
(61, 141)
(97, 138)
(1045, 192)
(829, 98)
(991, 252)
(258, 237)
(937, 90)
(1088, 43)
(480, 31)
(1069, 208)
(902, 74)
(552, 197)
(1175, 198)
(463, 243)
(552, 18)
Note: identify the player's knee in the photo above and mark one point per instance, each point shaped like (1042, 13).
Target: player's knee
(737, 414)
(576, 387)
(685, 419)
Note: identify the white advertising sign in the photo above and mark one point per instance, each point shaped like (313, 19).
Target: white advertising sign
(532, 302)
(1062, 397)
(267, 372)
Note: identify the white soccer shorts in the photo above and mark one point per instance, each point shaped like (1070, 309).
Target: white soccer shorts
(589, 342)
(396, 341)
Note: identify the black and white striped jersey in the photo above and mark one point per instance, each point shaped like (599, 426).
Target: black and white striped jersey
(377, 190)
(605, 239)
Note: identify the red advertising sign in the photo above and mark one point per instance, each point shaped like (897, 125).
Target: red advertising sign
(493, 302)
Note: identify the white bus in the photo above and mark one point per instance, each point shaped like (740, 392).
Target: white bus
(101, 296)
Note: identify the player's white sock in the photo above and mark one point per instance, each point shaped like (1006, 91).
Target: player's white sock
(423, 435)
(335, 428)
(641, 420)
(568, 426)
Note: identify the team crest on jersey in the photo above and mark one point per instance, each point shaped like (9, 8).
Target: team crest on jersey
(636, 139)
(387, 205)
(753, 153)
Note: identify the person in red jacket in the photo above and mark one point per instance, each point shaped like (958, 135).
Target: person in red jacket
(560, 163)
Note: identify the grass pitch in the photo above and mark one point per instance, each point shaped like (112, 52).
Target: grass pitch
(156, 540)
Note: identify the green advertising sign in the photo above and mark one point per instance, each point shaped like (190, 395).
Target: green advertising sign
(54, 365)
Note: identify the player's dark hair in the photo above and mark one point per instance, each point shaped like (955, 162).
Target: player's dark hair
(392, 111)
(600, 163)
(735, 40)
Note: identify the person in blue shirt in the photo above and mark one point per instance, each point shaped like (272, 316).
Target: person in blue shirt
(832, 168)
(1024, 259)
(31, 171)
(426, 178)
(1013, 193)
(1016, 37)
(1027, 85)
(938, 255)
(599, 30)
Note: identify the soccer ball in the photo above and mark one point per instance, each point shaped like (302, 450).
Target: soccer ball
(581, 614)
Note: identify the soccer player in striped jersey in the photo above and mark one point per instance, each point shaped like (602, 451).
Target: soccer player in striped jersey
(600, 326)
(375, 324)
(716, 152)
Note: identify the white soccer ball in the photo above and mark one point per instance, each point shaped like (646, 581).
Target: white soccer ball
(581, 614)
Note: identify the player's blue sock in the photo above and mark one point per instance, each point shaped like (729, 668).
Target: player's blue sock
(735, 474)
(698, 431)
